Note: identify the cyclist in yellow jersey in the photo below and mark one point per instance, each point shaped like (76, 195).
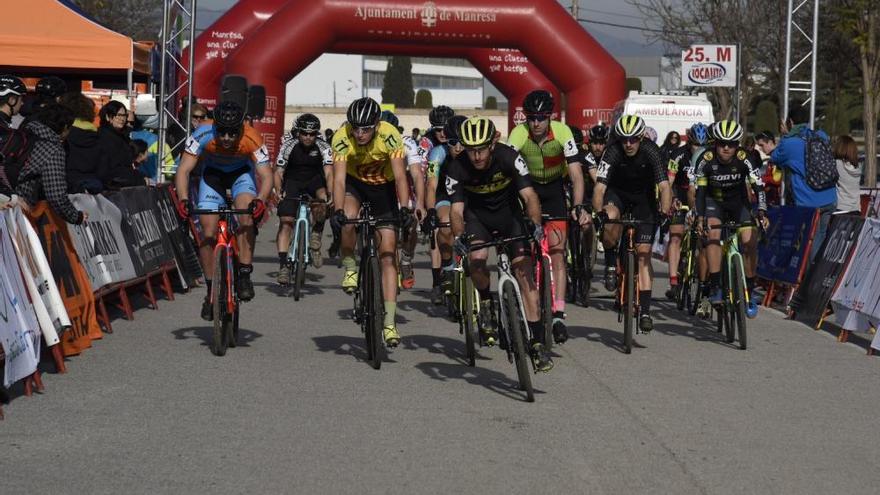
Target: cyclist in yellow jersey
(551, 154)
(368, 165)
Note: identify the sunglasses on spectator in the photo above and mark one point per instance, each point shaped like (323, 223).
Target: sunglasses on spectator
(227, 131)
(537, 117)
(199, 116)
(308, 133)
(728, 144)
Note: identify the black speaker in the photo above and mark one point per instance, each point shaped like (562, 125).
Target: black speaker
(256, 102)
(234, 88)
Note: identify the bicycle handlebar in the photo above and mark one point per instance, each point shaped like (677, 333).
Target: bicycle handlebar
(223, 211)
(498, 242)
(633, 221)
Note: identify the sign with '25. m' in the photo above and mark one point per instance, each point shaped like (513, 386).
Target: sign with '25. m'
(709, 65)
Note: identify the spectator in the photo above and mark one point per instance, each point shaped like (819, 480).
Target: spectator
(772, 177)
(846, 154)
(139, 151)
(114, 166)
(198, 116)
(416, 134)
(83, 154)
(328, 134)
(750, 145)
(672, 141)
(145, 129)
(44, 177)
(791, 156)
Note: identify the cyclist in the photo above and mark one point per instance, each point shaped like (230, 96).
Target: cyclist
(630, 172)
(437, 197)
(551, 153)
(230, 154)
(680, 173)
(415, 165)
(12, 93)
(368, 165)
(724, 176)
(485, 184)
(303, 166)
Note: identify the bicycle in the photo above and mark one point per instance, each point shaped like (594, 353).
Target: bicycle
(687, 297)
(298, 254)
(581, 263)
(628, 278)
(369, 311)
(515, 331)
(544, 280)
(731, 313)
(224, 291)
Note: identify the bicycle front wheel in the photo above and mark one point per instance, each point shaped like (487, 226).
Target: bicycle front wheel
(299, 266)
(469, 322)
(738, 319)
(629, 302)
(374, 312)
(220, 289)
(515, 328)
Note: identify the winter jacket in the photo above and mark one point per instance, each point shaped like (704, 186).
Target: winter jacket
(848, 198)
(790, 155)
(43, 176)
(83, 157)
(116, 156)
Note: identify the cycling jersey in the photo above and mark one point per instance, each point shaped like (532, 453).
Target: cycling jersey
(370, 163)
(546, 161)
(250, 152)
(300, 164)
(438, 158)
(725, 183)
(638, 174)
(495, 188)
(415, 154)
(678, 165)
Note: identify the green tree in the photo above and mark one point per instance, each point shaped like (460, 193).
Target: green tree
(139, 19)
(633, 84)
(860, 21)
(424, 99)
(491, 103)
(766, 117)
(397, 87)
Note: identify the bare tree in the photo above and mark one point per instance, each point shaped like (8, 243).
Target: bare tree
(860, 19)
(139, 19)
(754, 24)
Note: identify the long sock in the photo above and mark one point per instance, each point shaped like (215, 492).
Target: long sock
(319, 226)
(715, 280)
(610, 257)
(673, 280)
(208, 284)
(349, 264)
(390, 311)
(558, 316)
(282, 259)
(245, 269)
(485, 294)
(435, 277)
(750, 284)
(644, 301)
(537, 330)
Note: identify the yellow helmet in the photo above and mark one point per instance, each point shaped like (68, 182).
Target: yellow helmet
(476, 132)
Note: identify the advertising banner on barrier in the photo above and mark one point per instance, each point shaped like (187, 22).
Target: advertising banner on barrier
(782, 251)
(69, 274)
(814, 292)
(38, 280)
(856, 301)
(187, 259)
(140, 226)
(19, 331)
(99, 242)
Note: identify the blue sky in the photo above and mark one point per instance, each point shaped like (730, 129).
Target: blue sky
(618, 41)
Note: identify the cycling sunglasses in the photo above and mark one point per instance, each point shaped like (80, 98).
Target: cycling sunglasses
(537, 117)
(728, 144)
(452, 142)
(228, 131)
(199, 117)
(364, 128)
(308, 133)
(632, 140)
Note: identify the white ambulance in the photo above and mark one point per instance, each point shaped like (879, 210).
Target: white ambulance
(666, 112)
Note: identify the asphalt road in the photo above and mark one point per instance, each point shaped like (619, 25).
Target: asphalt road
(296, 410)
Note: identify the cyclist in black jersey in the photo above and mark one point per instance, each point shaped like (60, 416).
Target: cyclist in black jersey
(304, 166)
(724, 177)
(485, 185)
(680, 174)
(630, 173)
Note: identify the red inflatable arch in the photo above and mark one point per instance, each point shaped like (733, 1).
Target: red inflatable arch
(270, 41)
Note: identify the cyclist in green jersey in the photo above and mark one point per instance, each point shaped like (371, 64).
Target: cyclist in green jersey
(551, 154)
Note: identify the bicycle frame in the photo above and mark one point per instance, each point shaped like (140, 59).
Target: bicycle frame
(545, 254)
(226, 238)
(730, 252)
(302, 226)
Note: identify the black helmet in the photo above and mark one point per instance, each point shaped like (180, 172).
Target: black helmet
(228, 115)
(51, 87)
(11, 85)
(307, 122)
(363, 112)
(439, 115)
(452, 126)
(599, 132)
(577, 134)
(538, 101)
(388, 116)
